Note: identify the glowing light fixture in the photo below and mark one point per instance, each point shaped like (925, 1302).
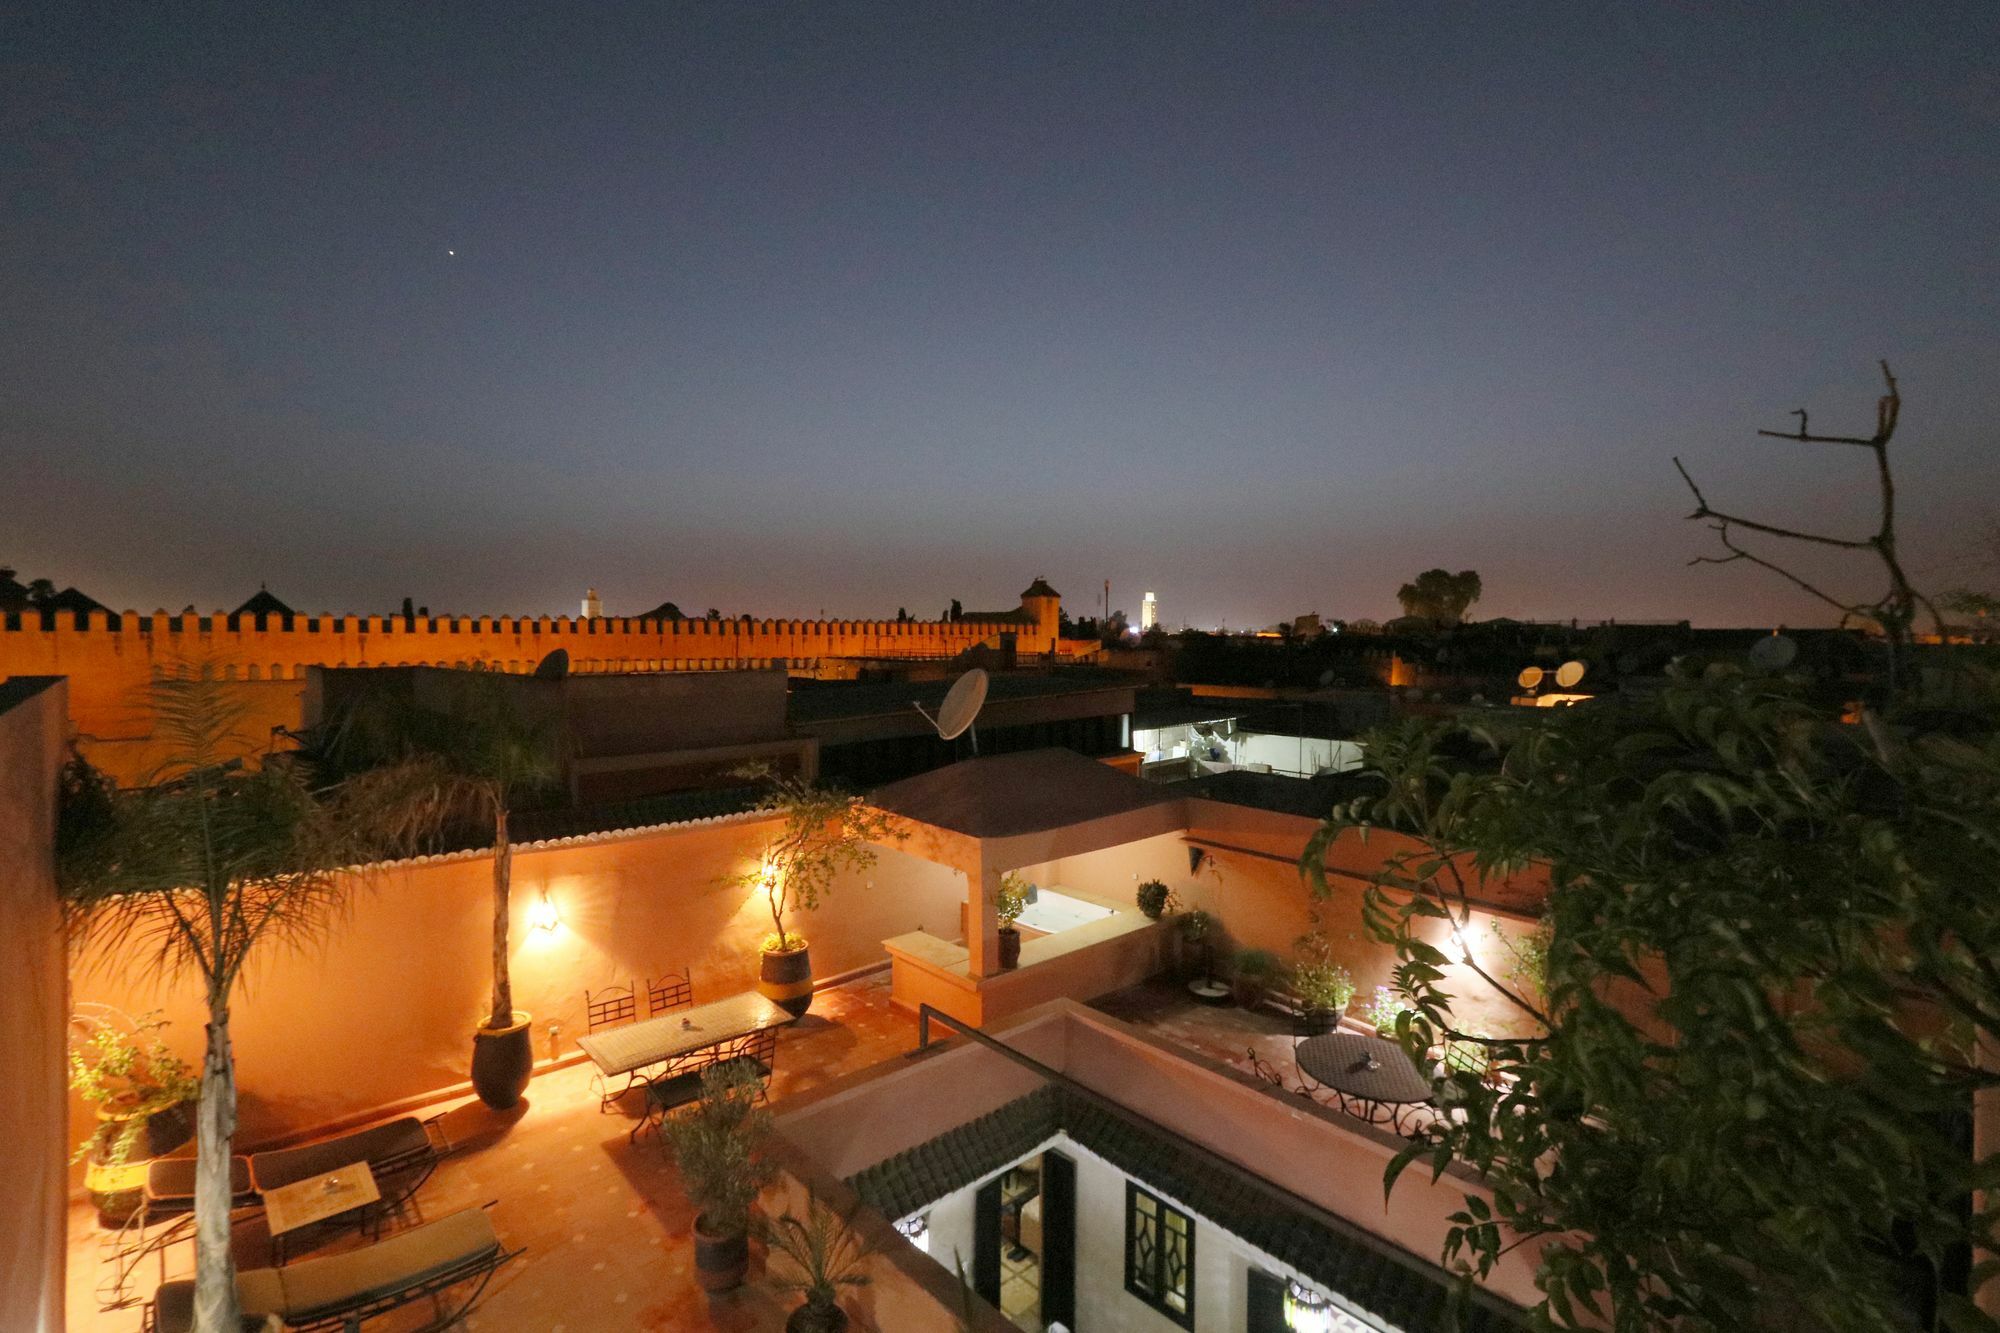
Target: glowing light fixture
(1454, 947)
(542, 916)
(916, 1229)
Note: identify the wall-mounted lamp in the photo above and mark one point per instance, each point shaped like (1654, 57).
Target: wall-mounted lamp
(1454, 947)
(542, 916)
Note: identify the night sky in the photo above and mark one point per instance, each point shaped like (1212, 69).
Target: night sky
(844, 307)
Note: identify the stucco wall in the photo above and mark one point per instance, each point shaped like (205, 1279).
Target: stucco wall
(33, 1013)
(382, 1010)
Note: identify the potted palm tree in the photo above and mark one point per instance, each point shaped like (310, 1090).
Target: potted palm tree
(188, 874)
(1013, 901)
(823, 832)
(718, 1147)
(423, 769)
(828, 1255)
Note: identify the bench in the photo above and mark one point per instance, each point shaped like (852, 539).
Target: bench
(341, 1291)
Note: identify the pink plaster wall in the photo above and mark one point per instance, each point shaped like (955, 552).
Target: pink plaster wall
(34, 1005)
(382, 1010)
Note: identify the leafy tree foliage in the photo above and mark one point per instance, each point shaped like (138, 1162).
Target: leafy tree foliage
(1439, 595)
(1771, 955)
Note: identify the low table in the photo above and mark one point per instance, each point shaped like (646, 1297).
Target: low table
(1373, 1077)
(302, 1203)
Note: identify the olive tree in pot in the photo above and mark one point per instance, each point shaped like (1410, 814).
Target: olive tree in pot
(718, 1147)
(1013, 901)
(828, 1254)
(185, 876)
(823, 832)
(460, 763)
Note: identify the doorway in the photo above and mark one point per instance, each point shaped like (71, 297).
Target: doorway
(1024, 1242)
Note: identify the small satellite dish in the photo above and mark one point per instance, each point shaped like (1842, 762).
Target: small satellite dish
(1530, 677)
(1774, 653)
(961, 705)
(1569, 673)
(553, 667)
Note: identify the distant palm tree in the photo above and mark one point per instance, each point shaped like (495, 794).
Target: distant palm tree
(189, 873)
(417, 770)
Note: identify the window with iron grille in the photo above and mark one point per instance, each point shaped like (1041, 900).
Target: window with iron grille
(1159, 1255)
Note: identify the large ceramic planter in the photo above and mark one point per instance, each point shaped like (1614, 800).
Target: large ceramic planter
(502, 1061)
(786, 980)
(811, 1318)
(1010, 951)
(115, 1187)
(720, 1261)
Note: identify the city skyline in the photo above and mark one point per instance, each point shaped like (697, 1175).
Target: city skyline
(803, 310)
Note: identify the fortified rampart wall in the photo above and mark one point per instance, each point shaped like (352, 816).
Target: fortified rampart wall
(109, 658)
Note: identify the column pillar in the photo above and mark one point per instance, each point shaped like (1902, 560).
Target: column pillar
(982, 917)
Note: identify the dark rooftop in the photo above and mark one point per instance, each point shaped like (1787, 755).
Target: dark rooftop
(1010, 794)
(1313, 798)
(263, 604)
(814, 701)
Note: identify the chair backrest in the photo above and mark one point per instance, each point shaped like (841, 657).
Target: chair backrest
(612, 1005)
(761, 1045)
(675, 990)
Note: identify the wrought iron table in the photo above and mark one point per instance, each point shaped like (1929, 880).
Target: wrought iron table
(1372, 1076)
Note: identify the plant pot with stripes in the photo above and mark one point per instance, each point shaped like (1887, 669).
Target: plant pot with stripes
(787, 980)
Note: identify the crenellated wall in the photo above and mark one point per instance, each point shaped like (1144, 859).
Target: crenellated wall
(109, 659)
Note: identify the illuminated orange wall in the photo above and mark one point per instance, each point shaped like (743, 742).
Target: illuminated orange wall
(383, 1010)
(34, 1009)
(109, 669)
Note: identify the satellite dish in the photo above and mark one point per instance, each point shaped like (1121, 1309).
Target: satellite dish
(1773, 654)
(1530, 677)
(1569, 673)
(553, 667)
(961, 705)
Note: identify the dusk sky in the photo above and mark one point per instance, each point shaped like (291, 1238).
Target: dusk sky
(843, 307)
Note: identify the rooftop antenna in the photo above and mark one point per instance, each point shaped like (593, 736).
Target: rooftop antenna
(961, 705)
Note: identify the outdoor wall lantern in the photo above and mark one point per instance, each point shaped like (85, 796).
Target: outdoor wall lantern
(1454, 947)
(916, 1229)
(542, 916)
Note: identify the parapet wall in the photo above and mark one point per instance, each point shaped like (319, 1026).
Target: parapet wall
(110, 658)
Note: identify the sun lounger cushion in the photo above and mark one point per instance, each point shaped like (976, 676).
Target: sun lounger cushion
(320, 1286)
(272, 1169)
(170, 1180)
(316, 1288)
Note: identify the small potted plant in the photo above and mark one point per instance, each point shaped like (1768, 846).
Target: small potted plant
(718, 1148)
(144, 1096)
(1323, 989)
(1013, 901)
(828, 1255)
(1197, 930)
(1383, 1006)
(1251, 973)
(1155, 899)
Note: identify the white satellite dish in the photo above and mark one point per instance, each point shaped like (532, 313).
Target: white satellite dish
(961, 705)
(1569, 673)
(1774, 653)
(1530, 677)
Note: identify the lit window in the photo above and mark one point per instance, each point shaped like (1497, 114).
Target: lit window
(1159, 1255)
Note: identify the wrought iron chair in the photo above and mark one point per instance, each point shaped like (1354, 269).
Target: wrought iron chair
(674, 990)
(609, 1007)
(759, 1052)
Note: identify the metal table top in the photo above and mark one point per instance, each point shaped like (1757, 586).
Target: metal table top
(1371, 1068)
(657, 1040)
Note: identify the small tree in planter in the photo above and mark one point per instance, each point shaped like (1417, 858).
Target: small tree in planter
(1324, 989)
(828, 1255)
(1253, 971)
(1013, 901)
(718, 1148)
(825, 831)
(142, 1092)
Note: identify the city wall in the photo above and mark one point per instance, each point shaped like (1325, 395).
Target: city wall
(110, 658)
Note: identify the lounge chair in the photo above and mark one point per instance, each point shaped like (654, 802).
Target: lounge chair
(341, 1291)
(165, 1215)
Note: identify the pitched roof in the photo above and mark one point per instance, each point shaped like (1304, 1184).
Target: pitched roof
(1010, 794)
(1398, 1287)
(262, 603)
(1039, 588)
